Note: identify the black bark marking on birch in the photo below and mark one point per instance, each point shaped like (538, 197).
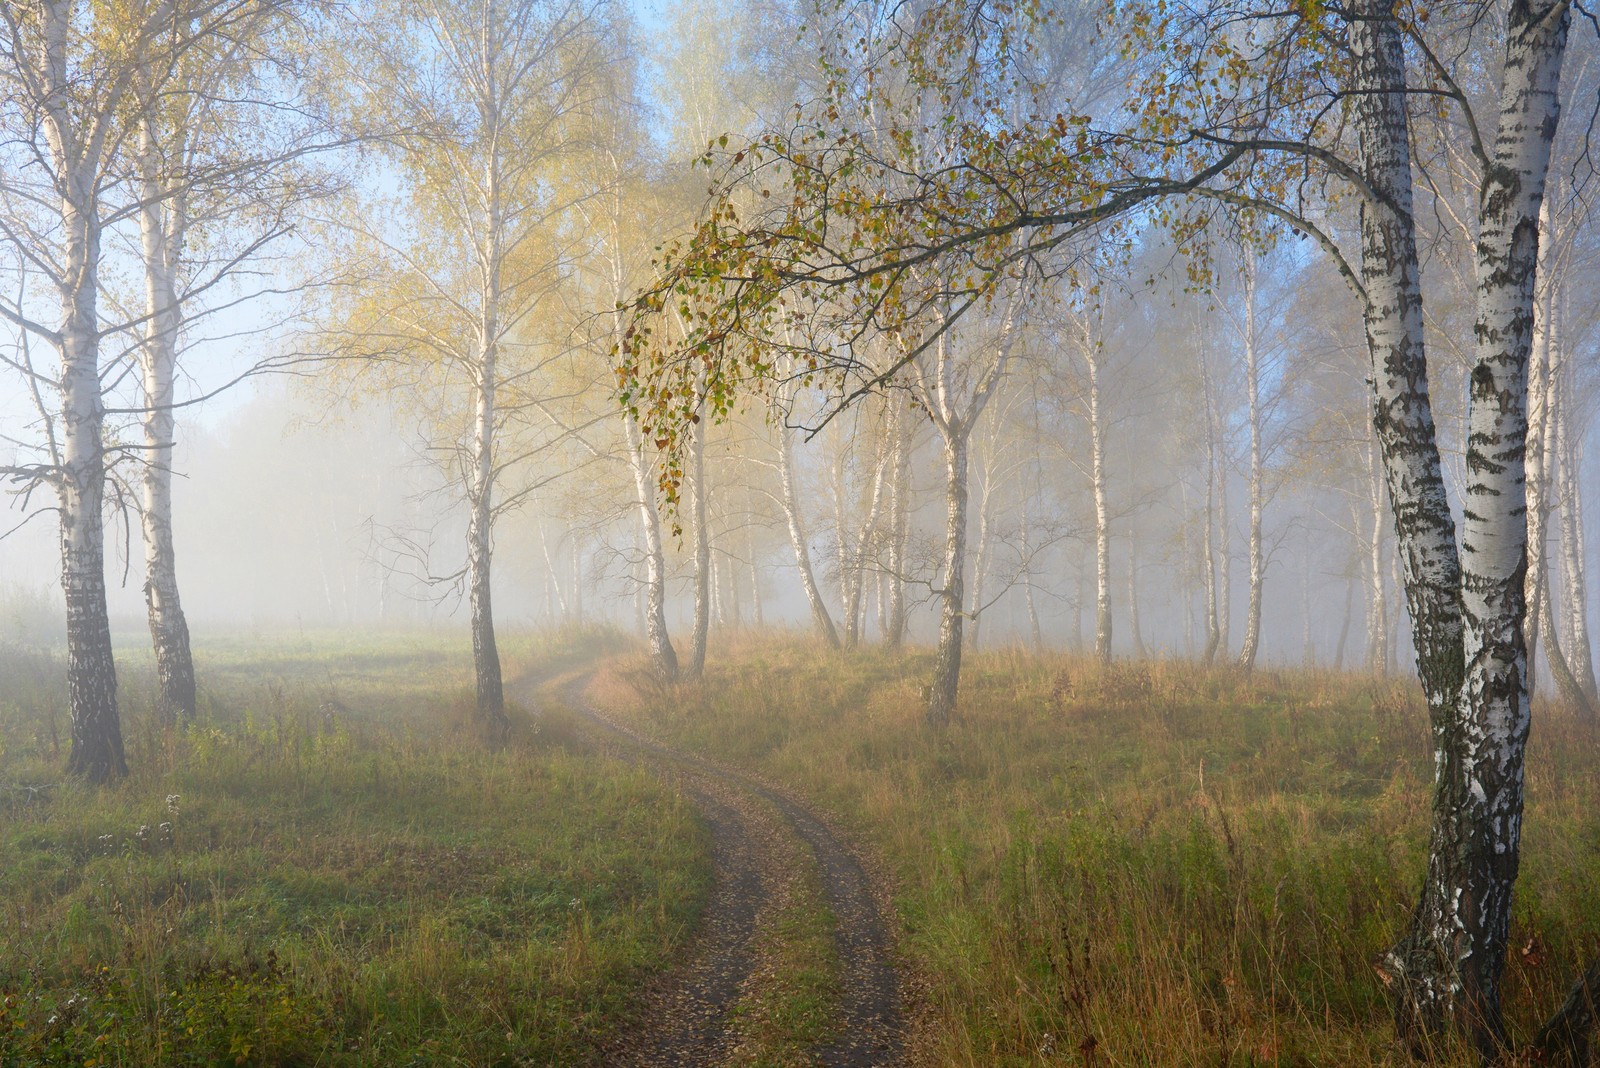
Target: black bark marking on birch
(871, 1029)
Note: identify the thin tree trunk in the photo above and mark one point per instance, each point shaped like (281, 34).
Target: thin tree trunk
(719, 593)
(1308, 646)
(663, 657)
(485, 650)
(955, 429)
(1133, 599)
(577, 578)
(980, 564)
(1102, 510)
(842, 544)
(1344, 627)
(854, 549)
(947, 666)
(556, 596)
(162, 238)
(797, 538)
(1542, 456)
(756, 607)
(1377, 600)
(1572, 558)
(1077, 607)
(702, 556)
(1034, 629)
(1258, 564)
(1537, 466)
(1224, 541)
(1208, 570)
(899, 527)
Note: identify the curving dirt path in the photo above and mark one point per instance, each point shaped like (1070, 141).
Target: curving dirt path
(689, 1010)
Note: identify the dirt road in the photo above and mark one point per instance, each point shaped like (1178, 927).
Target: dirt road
(758, 835)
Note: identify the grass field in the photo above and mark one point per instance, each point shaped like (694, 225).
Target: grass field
(1150, 865)
(329, 868)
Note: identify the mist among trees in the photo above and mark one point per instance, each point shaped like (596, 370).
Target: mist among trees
(1225, 338)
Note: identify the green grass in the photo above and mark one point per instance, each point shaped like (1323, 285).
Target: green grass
(1154, 865)
(792, 1005)
(292, 884)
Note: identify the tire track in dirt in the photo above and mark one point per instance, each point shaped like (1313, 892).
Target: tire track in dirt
(690, 1008)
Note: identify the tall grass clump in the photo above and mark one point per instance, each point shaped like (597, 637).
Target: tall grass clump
(328, 869)
(1152, 863)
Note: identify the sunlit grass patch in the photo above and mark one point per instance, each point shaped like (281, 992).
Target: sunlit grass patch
(291, 881)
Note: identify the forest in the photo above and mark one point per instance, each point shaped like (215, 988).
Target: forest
(798, 532)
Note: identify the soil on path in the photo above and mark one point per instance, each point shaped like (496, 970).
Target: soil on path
(688, 1013)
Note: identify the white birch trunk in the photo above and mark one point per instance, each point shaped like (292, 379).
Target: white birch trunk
(76, 148)
(1224, 538)
(1575, 588)
(899, 527)
(1467, 611)
(1035, 631)
(947, 667)
(653, 602)
(1102, 508)
(161, 235)
(939, 397)
(1134, 630)
(797, 538)
(701, 628)
(485, 649)
(1208, 567)
(1257, 559)
(97, 750)
(980, 563)
(1377, 599)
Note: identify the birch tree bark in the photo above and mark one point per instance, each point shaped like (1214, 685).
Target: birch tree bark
(946, 681)
(1543, 457)
(97, 751)
(797, 537)
(1467, 610)
(1102, 505)
(899, 527)
(76, 92)
(1035, 630)
(1575, 588)
(663, 657)
(1257, 559)
(481, 107)
(162, 219)
(980, 563)
(954, 403)
(1134, 630)
(1377, 598)
(700, 629)
(1214, 619)
(480, 503)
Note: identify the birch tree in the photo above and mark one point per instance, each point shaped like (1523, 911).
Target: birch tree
(618, 218)
(799, 538)
(1242, 127)
(73, 76)
(481, 107)
(954, 388)
(219, 165)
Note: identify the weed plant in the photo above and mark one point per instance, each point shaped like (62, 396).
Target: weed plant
(329, 868)
(1151, 864)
